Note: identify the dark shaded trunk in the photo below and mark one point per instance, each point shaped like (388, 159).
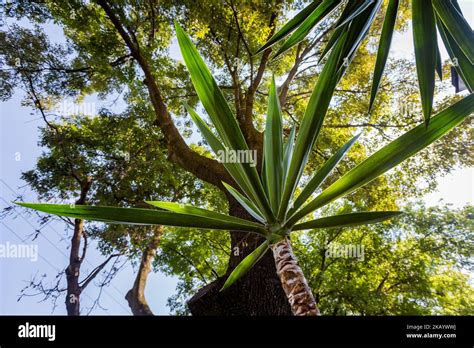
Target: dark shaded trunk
(73, 295)
(259, 292)
(136, 295)
(73, 270)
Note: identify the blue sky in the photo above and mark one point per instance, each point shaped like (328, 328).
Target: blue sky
(19, 151)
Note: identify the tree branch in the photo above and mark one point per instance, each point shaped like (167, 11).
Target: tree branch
(298, 60)
(202, 167)
(96, 271)
(255, 138)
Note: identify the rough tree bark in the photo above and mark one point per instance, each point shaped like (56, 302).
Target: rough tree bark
(136, 295)
(300, 296)
(259, 292)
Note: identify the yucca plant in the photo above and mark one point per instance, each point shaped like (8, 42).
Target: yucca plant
(269, 195)
(356, 19)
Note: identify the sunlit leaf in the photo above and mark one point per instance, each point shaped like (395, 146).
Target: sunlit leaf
(391, 155)
(457, 26)
(311, 124)
(425, 41)
(273, 148)
(384, 48)
(288, 152)
(323, 10)
(354, 8)
(346, 220)
(138, 216)
(322, 174)
(245, 265)
(191, 210)
(220, 113)
(249, 206)
(290, 25)
(234, 169)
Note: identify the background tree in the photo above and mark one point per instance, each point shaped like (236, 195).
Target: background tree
(123, 166)
(402, 267)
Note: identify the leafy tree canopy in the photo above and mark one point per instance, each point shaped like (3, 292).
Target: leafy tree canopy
(126, 153)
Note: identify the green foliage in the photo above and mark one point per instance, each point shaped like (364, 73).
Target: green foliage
(316, 16)
(386, 158)
(384, 48)
(425, 41)
(223, 119)
(424, 14)
(321, 175)
(391, 155)
(196, 256)
(296, 21)
(246, 264)
(127, 166)
(414, 265)
(273, 150)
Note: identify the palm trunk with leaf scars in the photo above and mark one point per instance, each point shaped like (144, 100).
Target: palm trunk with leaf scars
(293, 281)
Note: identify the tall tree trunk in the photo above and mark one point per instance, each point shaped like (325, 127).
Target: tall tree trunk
(73, 270)
(74, 290)
(259, 292)
(136, 295)
(294, 283)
